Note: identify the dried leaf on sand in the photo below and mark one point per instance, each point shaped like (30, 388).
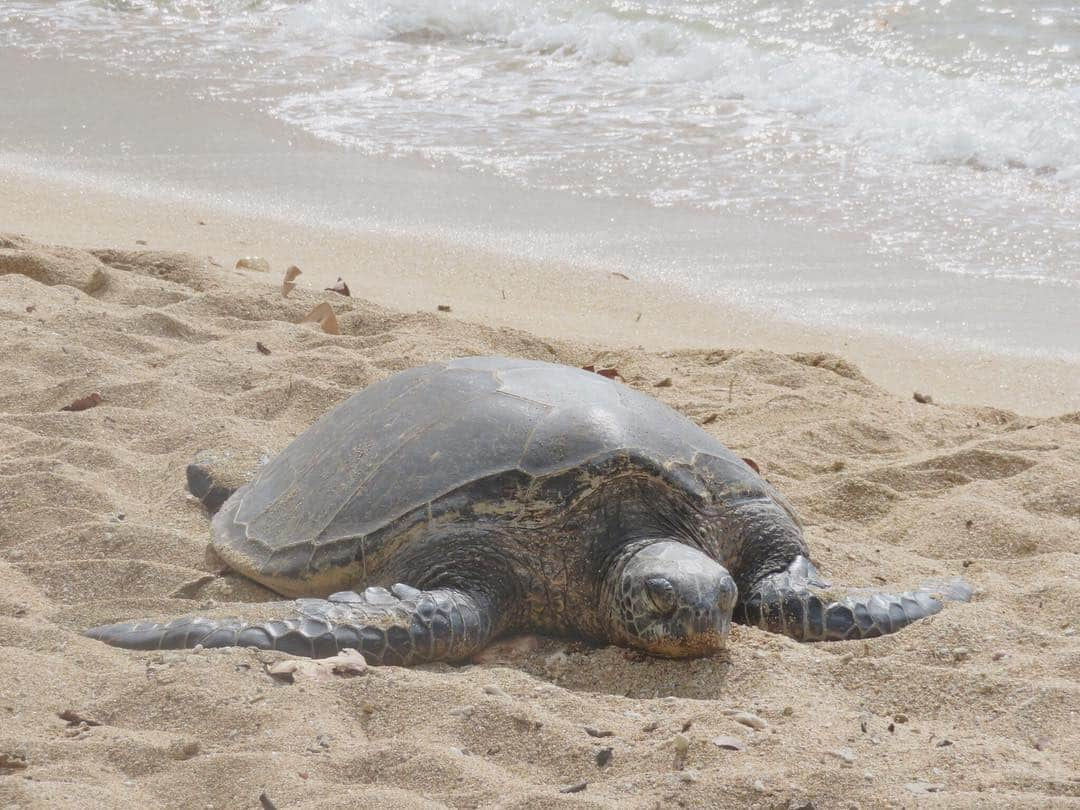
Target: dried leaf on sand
(610, 373)
(339, 287)
(74, 718)
(256, 263)
(323, 315)
(288, 284)
(83, 403)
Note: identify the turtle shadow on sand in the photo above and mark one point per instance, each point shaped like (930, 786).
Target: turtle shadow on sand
(486, 497)
(572, 664)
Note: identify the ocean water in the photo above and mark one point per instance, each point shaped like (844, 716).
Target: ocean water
(941, 136)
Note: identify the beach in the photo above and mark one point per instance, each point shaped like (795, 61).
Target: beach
(550, 298)
(91, 156)
(976, 706)
(840, 237)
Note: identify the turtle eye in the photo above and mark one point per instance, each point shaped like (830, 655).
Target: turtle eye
(661, 593)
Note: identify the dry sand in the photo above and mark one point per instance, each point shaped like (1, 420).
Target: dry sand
(976, 707)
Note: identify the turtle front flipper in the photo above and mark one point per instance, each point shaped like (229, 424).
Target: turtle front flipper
(403, 627)
(798, 603)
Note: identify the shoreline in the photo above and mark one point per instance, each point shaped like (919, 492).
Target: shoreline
(93, 159)
(133, 345)
(549, 298)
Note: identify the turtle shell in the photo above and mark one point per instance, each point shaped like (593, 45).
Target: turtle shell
(484, 434)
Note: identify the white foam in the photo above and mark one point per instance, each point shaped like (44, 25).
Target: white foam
(922, 124)
(905, 111)
(901, 111)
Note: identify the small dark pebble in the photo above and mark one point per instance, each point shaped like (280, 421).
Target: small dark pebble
(923, 399)
(687, 724)
(944, 743)
(968, 524)
(261, 347)
(443, 307)
(264, 800)
(580, 786)
(892, 727)
(664, 383)
(603, 757)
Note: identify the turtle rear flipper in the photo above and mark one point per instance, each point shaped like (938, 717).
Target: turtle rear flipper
(405, 627)
(798, 603)
(214, 475)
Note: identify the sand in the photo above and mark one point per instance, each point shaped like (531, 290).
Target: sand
(411, 270)
(976, 707)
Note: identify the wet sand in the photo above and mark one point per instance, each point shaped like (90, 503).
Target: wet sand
(549, 298)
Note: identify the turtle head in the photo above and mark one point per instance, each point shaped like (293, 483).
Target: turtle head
(672, 600)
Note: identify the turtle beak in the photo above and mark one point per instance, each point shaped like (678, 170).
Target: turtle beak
(696, 633)
(697, 643)
(712, 620)
(707, 633)
(711, 627)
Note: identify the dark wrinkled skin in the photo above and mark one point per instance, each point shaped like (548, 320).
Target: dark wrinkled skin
(515, 496)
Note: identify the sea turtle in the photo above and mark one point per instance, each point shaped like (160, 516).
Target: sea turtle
(487, 495)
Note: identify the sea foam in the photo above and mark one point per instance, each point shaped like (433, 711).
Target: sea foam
(925, 125)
